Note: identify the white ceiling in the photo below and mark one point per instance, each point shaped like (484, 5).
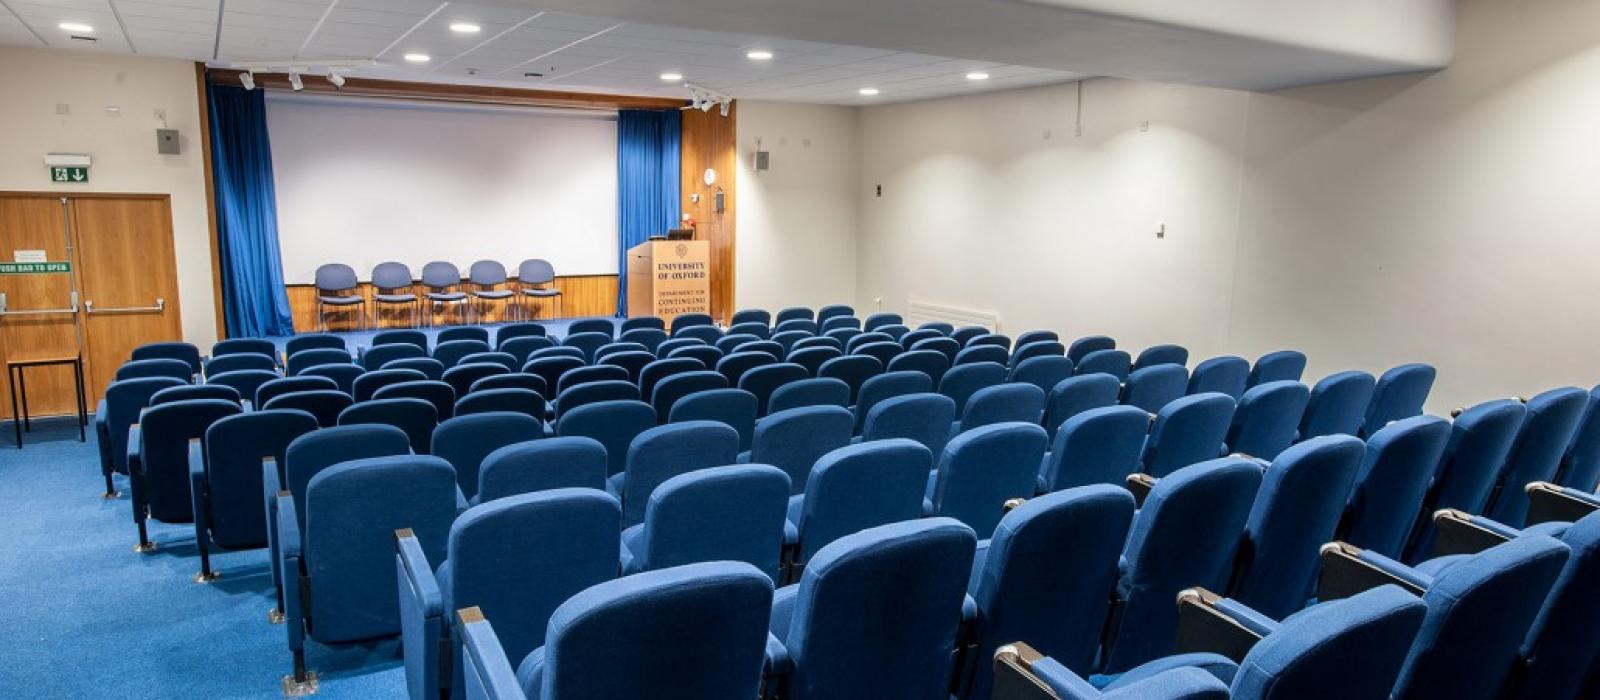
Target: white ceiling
(572, 51)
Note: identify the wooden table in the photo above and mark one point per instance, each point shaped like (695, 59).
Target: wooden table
(16, 371)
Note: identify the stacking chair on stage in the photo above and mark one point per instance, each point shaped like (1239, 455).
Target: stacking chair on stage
(450, 352)
(1395, 472)
(1081, 347)
(1267, 418)
(416, 417)
(441, 281)
(324, 404)
(1350, 649)
(342, 374)
(240, 362)
(156, 367)
(243, 346)
(1480, 609)
(525, 401)
(700, 632)
(794, 439)
(1338, 405)
(735, 365)
(845, 634)
(1186, 534)
(962, 381)
(1046, 576)
(813, 358)
(930, 362)
(1151, 388)
(614, 424)
(1227, 374)
(226, 487)
(117, 412)
(735, 408)
(504, 359)
(1113, 362)
(245, 381)
(651, 374)
(313, 341)
(682, 321)
(588, 342)
(1551, 421)
(854, 488)
(1001, 403)
(822, 391)
(1074, 395)
(532, 275)
(184, 352)
(793, 313)
(983, 468)
(1039, 348)
(1580, 466)
(1279, 366)
(542, 465)
(465, 440)
(878, 320)
(1097, 446)
(665, 451)
(1481, 438)
(922, 418)
(335, 544)
(1161, 355)
(515, 560)
(378, 355)
(338, 288)
(762, 381)
(1189, 430)
(392, 285)
(191, 392)
(461, 376)
(1303, 492)
(1400, 393)
(301, 361)
(669, 390)
(161, 449)
(429, 367)
(270, 390)
(883, 387)
(435, 392)
(731, 513)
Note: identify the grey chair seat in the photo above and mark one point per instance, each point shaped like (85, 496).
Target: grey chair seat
(493, 294)
(395, 298)
(542, 292)
(340, 301)
(446, 296)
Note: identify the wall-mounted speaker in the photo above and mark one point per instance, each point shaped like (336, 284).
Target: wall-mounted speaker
(167, 142)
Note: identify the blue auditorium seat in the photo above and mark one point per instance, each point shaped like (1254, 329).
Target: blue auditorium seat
(161, 450)
(416, 417)
(735, 408)
(1189, 430)
(450, 352)
(794, 439)
(593, 373)
(1167, 354)
(1396, 469)
(306, 359)
(240, 361)
(245, 381)
(930, 362)
(193, 392)
(1001, 403)
(1152, 387)
(551, 368)
(1278, 366)
(313, 341)
(184, 352)
(728, 513)
(595, 392)
(981, 469)
(1267, 418)
(1481, 438)
(878, 320)
(665, 451)
(429, 367)
(823, 391)
(1227, 374)
(1580, 466)
(669, 390)
(921, 418)
(761, 316)
(614, 424)
(435, 392)
(854, 488)
(1098, 446)
(378, 355)
(1536, 455)
(880, 388)
(541, 465)
(982, 353)
(464, 441)
(1074, 395)
(325, 404)
(1081, 347)
(1113, 362)
(1400, 393)
(1338, 405)
(288, 385)
(226, 487)
(763, 381)
(515, 400)
(119, 411)
(735, 365)
(1041, 348)
(853, 370)
(962, 381)
(522, 347)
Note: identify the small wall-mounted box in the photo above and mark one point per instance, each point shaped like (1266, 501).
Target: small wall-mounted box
(167, 142)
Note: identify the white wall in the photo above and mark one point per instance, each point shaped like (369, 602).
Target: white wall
(34, 81)
(1449, 217)
(796, 221)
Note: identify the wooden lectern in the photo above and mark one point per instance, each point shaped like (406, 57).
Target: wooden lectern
(668, 278)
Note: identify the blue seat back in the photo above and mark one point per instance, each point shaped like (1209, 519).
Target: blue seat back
(1400, 393)
(450, 352)
(1161, 355)
(618, 346)
(916, 336)
(343, 375)
(705, 333)
(614, 424)
(504, 359)
(1113, 362)
(1480, 441)
(1228, 374)
(183, 352)
(1580, 466)
(306, 359)
(1267, 419)
(733, 339)
(655, 323)
(190, 392)
(1187, 431)
(1035, 336)
(665, 451)
(943, 345)
(962, 381)
(603, 326)
(1551, 422)
(735, 408)
(942, 327)
(1278, 366)
(631, 361)
(164, 435)
(982, 353)
(677, 386)
(244, 346)
(353, 511)
(834, 311)
(840, 323)
(735, 365)
(1097, 446)
(888, 385)
(369, 383)
(1349, 648)
(542, 465)
(761, 382)
(158, 367)
(1562, 644)
(312, 453)
(666, 347)
(288, 385)
(595, 392)
(1043, 348)
(463, 333)
(240, 361)
(245, 381)
(730, 513)
(850, 635)
(125, 398)
(1396, 469)
(653, 373)
(236, 446)
(515, 380)
(1297, 509)
(376, 356)
(1185, 535)
(1155, 386)
(995, 339)
(1074, 395)
(335, 277)
(1081, 347)
(794, 439)
(650, 338)
(883, 351)
(812, 358)
(587, 342)
(824, 391)
(793, 313)
(437, 393)
(761, 316)
(465, 440)
(881, 319)
(404, 336)
(983, 468)
(922, 418)
(525, 401)
(512, 331)
(325, 404)
(853, 370)
(966, 333)
(1338, 405)
(802, 325)
(787, 339)
(429, 367)
(311, 341)
(522, 346)
(860, 486)
(1003, 403)
(930, 362)
(416, 417)
(550, 369)
(1048, 574)
(682, 321)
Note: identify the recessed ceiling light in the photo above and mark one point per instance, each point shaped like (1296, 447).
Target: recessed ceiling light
(868, 92)
(75, 27)
(418, 58)
(977, 75)
(759, 55)
(672, 77)
(465, 28)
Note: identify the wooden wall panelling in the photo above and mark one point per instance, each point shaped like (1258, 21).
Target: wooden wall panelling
(710, 141)
(581, 295)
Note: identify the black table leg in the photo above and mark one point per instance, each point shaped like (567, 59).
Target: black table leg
(22, 384)
(16, 416)
(83, 408)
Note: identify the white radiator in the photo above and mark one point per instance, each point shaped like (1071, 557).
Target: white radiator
(920, 312)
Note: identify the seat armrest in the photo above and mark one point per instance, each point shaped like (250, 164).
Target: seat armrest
(416, 574)
(289, 567)
(488, 673)
(135, 465)
(1463, 533)
(778, 661)
(1348, 570)
(1020, 673)
(1245, 455)
(1140, 485)
(1551, 503)
(102, 415)
(1210, 623)
(1015, 678)
(199, 493)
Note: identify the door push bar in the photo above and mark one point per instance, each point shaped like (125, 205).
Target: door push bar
(160, 305)
(5, 310)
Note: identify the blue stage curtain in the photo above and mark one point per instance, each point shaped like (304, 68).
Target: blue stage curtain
(254, 300)
(647, 183)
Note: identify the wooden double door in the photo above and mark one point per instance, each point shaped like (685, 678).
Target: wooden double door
(117, 290)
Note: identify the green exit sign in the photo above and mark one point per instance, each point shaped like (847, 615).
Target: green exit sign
(35, 268)
(71, 173)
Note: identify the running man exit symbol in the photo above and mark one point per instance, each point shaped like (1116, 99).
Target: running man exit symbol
(74, 173)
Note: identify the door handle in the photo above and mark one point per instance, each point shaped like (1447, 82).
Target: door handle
(158, 307)
(5, 310)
